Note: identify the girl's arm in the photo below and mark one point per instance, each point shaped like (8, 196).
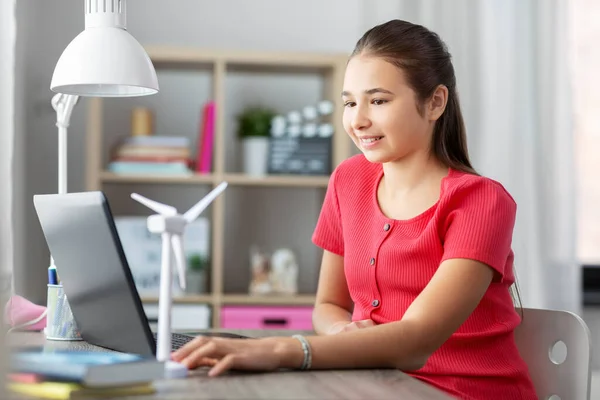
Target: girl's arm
(441, 308)
(333, 305)
(479, 228)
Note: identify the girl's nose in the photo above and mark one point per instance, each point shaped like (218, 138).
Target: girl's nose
(360, 120)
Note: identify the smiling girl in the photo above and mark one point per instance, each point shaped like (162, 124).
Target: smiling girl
(417, 264)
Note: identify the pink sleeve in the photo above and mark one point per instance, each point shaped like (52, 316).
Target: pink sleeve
(479, 225)
(328, 232)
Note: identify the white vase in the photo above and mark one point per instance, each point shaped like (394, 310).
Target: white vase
(196, 282)
(256, 152)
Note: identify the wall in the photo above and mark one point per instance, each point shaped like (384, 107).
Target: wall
(585, 31)
(311, 25)
(25, 12)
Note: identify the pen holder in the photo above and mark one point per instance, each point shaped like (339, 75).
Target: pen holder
(60, 323)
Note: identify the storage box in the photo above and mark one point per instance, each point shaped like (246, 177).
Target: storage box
(252, 317)
(184, 317)
(143, 251)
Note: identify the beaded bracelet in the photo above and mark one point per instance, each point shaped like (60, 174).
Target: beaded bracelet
(306, 364)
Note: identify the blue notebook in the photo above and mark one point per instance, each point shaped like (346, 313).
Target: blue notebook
(94, 369)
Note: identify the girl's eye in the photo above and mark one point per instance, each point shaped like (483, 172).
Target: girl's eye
(379, 102)
(349, 104)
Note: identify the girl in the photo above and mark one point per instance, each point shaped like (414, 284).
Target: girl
(417, 261)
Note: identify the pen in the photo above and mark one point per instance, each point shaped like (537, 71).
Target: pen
(52, 276)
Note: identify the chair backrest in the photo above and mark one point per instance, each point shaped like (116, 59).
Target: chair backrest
(556, 347)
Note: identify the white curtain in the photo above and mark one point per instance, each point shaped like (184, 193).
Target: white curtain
(511, 60)
(7, 128)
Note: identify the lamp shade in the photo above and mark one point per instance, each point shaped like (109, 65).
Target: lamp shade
(105, 60)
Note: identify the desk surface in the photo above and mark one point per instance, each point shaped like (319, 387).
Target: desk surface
(336, 384)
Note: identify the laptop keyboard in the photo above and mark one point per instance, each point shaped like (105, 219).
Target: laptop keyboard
(178, 340)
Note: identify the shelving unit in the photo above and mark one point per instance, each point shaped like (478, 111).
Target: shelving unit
(240, 299)
(234, 179)
(218, 72)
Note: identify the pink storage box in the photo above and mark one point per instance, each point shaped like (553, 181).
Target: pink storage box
(252, 317)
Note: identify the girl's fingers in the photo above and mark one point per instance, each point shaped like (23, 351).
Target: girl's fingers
(207, 350)
(226, 363)
(337, 328)
(207, 362)
(350, 327)
(365, 323)
(188, 348)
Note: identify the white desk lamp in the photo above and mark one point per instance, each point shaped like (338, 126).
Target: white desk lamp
(106, 61)
(102, 61)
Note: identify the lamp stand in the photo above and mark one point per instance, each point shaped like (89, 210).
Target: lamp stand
(63, 104)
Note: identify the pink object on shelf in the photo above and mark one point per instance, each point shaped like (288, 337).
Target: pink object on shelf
(252, 317)
(208, 138)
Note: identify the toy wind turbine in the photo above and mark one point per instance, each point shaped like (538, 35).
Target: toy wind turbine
(171, 225)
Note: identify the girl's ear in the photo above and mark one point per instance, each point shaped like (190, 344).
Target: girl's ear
(437, 103)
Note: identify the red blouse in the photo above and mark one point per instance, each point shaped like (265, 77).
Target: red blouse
(388, 262)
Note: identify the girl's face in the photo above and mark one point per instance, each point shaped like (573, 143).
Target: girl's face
(380, 111)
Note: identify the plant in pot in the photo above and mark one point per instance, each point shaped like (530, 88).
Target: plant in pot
(197, 274)
(254, 129)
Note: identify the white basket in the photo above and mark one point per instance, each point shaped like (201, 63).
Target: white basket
(60, 322)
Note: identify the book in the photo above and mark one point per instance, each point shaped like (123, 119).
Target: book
(128, 150)
(159, 141)
(205, 140)
(67, 391)
(150, 168)
(88, 368)
(24, 378)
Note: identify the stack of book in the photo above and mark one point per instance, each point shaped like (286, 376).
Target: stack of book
(55, 374)
(152, 155)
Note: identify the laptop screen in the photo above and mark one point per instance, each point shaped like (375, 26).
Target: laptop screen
(82, 238)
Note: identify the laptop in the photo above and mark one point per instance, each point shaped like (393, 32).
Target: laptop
(80, 232)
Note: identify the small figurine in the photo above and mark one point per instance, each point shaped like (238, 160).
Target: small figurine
(284, 272)
(260, 271)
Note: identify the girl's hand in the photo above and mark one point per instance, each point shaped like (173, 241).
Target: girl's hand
(352, 326)
(223, 354)
(365, 323)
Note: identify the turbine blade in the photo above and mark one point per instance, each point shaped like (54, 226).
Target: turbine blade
(177, 245)
(196, 210)
(160, 208)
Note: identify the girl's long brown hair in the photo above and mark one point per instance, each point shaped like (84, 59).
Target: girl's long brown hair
(427, 64)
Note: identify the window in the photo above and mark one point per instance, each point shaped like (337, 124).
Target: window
(585, 35)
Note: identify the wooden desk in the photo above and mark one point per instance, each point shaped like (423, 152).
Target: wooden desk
(322, 385)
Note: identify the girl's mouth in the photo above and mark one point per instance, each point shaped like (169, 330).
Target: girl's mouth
(370, 140)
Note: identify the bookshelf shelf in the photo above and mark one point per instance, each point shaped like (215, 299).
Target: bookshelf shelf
(232, 179)
(277, 180)
(190, 77)
(185, 299)
(256, 60)
(134, 178)
(242, 299)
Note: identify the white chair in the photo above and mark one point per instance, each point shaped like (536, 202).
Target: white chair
(557, 349)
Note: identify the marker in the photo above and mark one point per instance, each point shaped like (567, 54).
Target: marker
(52, 276)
